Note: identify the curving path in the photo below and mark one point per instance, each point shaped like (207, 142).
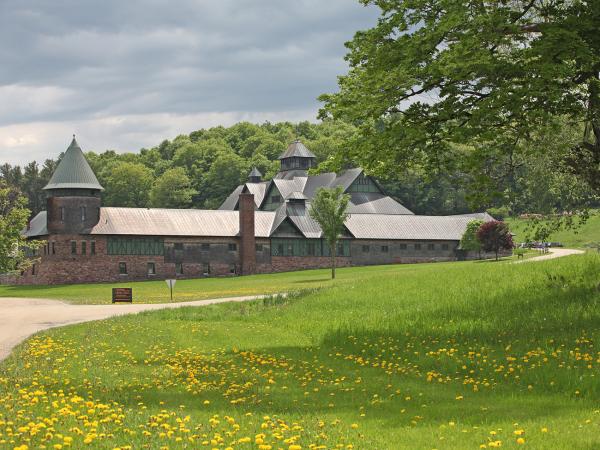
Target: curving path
(22, 317)
(553, 253)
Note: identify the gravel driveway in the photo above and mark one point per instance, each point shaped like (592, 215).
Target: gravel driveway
(22, 317)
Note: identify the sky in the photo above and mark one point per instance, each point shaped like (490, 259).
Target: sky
(124, 75)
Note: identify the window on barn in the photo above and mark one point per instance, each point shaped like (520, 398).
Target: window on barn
(73, 247)
(136, 246)
(178, 246)
(206, 269)
(205, 247)
(151, 268)
(54, 248)
(33, 269)
(366, 248)
(62, 213)
(417, 246)
(259, 247)
(83, 247)
(385, 249)
(402, 246)
(92, 247)
(179, 268)
(232, 247)
(363, 184)
(232, 269)
(444, 246)
(430, 246)
(122, 268)
(83, 213)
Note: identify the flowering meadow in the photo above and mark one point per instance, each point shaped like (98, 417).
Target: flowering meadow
(455, 356)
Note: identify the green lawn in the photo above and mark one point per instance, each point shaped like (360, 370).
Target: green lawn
(445, 356)
(201, 289)
(577, 237)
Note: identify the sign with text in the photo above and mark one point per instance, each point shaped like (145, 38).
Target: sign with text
(122, 295)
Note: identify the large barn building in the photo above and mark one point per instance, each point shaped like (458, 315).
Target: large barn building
(263, 226)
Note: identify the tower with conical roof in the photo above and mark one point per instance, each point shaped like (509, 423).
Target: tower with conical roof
(296, 160)
(73, 204)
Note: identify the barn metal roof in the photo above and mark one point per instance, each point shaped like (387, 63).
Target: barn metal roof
(410, 227)
(38, 225)
(177, 222)
(73, 171)
(375, 203)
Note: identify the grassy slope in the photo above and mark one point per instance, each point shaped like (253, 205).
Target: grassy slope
(443, 356)
(201, 289)
(574, 238)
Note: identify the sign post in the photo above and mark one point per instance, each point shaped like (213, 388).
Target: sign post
(171, 284)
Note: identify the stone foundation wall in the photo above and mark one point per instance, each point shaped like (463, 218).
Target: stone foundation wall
(290, 263)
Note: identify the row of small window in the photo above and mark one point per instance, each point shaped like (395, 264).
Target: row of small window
(307, 247)
(178, 246)
(82, 213)
(82, 249)
(179, 269)
(386, 248)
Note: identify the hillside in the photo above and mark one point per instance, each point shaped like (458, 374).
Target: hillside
(472, 355)
(577, 237)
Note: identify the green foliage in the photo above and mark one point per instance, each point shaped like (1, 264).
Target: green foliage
(469, 241)
(172, 190)
(13, 220)
(430, 76)
(329, 209)
(128, 185)
(498, 213)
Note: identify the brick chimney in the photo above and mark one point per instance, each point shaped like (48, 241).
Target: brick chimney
(247, 236)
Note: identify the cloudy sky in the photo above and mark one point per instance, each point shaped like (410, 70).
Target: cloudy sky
(126, 74)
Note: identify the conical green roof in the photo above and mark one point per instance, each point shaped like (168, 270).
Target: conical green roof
(73, 171)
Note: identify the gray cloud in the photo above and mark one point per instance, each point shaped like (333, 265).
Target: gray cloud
(68, 63)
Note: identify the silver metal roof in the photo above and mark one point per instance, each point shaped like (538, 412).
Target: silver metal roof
(410, 227)
(375, 203)
(73, 171)
(37, 225)
(255, 173)
(177, 222)
(297, 149)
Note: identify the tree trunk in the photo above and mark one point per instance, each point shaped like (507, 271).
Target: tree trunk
(496, 254)
(333, 262)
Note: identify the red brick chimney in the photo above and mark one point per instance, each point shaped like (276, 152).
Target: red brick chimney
(247, 236)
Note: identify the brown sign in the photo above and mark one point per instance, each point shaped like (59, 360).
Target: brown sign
(122, 295)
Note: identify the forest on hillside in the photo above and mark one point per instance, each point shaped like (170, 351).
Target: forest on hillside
(199, 170)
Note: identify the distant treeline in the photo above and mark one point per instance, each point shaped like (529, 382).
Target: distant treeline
(199, 170)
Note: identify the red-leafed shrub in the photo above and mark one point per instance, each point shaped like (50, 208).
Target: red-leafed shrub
(495, 236)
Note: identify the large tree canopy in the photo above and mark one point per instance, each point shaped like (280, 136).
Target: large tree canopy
(435, 73)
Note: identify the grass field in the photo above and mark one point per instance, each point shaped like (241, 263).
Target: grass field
(578, 237)
(201, 289)
(444, 356)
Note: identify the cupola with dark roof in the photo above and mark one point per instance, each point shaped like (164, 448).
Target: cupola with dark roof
(73, 204)
(255, 176)
(297, 157)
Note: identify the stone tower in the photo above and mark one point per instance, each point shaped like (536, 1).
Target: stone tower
(73, 204)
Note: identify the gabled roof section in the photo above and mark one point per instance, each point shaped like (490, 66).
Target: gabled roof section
(177, 222)
(73, 171)
(297, 150)
(231, 202)
(375, 203)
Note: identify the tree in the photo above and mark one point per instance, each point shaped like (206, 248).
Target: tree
(495, 236)
(431, 74)
(172, 190)
(129, 185)
(329, 210)
(14, 215)
(469, 241)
